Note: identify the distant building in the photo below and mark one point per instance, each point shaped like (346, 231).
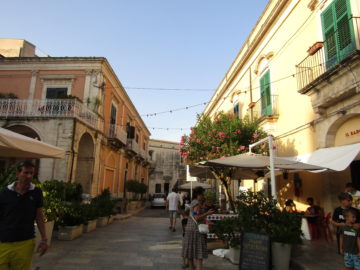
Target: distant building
(80, 105)
(169, 169)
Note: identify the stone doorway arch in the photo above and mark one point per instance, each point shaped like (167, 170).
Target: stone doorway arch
(85, 162)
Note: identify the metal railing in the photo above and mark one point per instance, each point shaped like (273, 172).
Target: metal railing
(53, 108)
(132, 145)
(329, 55)
(259, 110)
(117, 132)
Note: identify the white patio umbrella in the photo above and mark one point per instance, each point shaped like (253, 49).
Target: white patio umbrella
(254, 161)
(194, 184)
(16, 145)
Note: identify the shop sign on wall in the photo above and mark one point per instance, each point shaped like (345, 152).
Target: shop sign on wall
(352, 133)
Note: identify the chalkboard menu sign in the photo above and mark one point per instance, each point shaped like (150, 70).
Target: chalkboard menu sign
(255, 252)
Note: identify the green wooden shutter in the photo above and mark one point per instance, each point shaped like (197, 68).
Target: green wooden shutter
(328, 27)
(345, 29)
(265, 92)
(338, 32)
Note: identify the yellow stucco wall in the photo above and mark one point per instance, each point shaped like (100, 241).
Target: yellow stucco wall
(278, 43)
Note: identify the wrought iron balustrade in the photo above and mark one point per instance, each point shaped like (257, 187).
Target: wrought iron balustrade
(117, 132)
(272, 110)
(338, 45)
(49, 108)
(132, 145)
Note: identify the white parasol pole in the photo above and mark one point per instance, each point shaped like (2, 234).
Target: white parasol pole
(270, 141)
(191, 191)
(191, 179)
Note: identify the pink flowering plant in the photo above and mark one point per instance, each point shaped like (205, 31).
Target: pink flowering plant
(225, 135)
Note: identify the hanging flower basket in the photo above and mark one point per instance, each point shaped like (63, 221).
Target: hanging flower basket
(315, 47)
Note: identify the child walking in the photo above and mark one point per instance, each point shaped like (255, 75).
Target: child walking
(338, 218)
(350, 241)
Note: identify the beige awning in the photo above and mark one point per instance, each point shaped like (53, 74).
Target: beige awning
(336, 158)
(16, 145)
(254, 161)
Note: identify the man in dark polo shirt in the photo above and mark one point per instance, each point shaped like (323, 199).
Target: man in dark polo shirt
(20, 205)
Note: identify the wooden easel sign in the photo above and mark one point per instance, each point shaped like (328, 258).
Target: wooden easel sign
(255, 252)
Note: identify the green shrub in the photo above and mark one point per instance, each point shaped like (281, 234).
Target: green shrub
(8, 176)
(226, 229)
(71, 214)
(104, 205)
(64, 191)
(89, 211)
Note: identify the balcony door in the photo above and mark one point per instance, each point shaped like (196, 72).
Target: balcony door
(112, 120)
(265, 92)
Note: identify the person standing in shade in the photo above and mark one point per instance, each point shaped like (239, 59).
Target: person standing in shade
(194, 248)
(20, 205)
(338, 217)
(172, 205)
(350, 241)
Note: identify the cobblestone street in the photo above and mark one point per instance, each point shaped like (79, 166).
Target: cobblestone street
(140, 242)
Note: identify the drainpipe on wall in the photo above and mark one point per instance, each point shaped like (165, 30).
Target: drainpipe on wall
(73, 152)
(251, 96)
(56, 144)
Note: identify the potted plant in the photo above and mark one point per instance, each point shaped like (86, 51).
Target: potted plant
(133, 186)
(105, 207)
(315, 47)
(285, 230)
(71, 221)
(90, 217)
(228, 230)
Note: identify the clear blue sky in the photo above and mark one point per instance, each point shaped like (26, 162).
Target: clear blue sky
(181, 44)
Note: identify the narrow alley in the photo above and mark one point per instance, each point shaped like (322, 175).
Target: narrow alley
(140, 242)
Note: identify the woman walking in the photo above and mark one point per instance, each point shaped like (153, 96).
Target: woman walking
(194, 244)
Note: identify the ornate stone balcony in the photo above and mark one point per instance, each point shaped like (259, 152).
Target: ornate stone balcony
(326, 58)
(118, 133)
(49, 108)
(261, 112)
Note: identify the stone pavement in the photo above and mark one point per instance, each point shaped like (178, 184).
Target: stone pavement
(316, 255)
(140, 242)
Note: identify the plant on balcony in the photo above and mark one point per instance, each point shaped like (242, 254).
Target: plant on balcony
(225, 135)
(8, 96)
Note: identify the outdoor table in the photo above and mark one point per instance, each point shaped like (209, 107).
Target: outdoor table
(305, 229)
(220, 216)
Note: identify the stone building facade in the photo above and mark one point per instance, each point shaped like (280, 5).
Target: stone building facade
(78, 104)
(168, 169)
(298, 74)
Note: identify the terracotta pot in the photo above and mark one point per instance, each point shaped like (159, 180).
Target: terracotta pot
(315, 47)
